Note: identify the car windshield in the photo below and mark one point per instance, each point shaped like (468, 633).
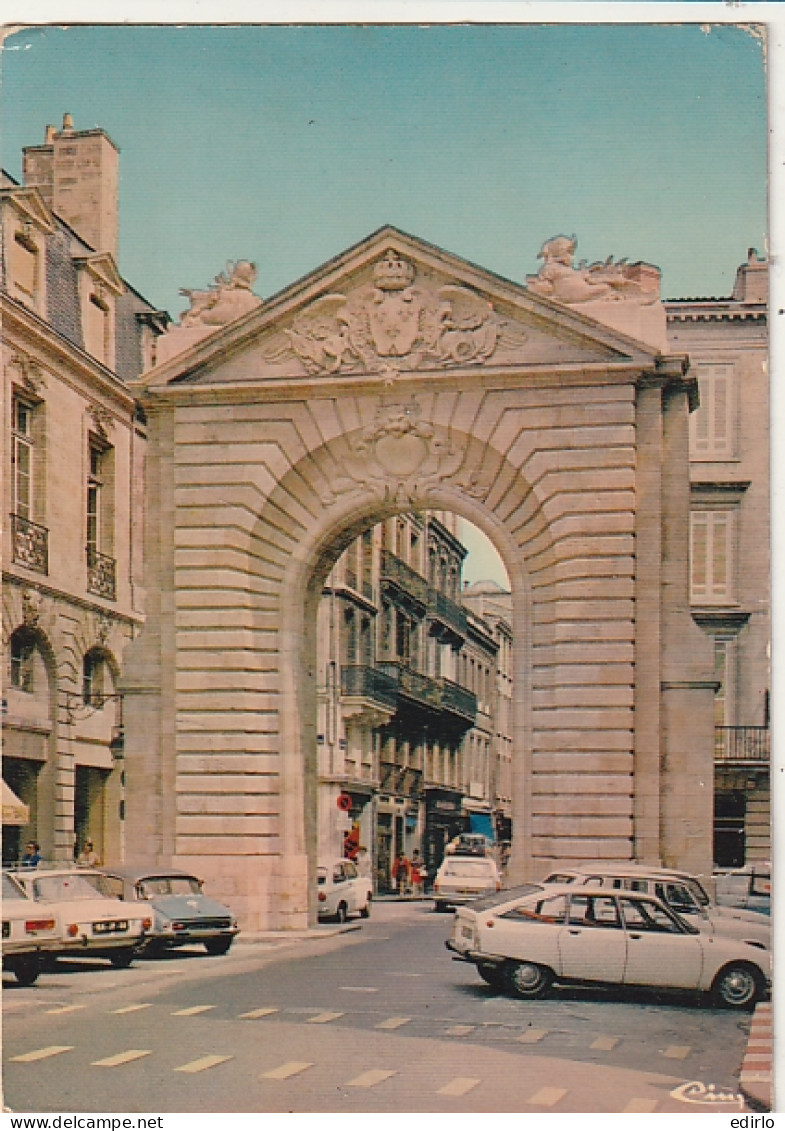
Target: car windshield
(486, 902)
(168, 885)
(11, 890)
(65, 887)
(468, 868)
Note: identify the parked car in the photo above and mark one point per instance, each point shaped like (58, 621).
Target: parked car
(181, 912)
(30, 932)
(462, 878)
(683, 892)
(528, 938)
(747, 888)
(342, 891)
(90, 923)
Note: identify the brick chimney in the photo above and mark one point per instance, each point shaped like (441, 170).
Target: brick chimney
(76, 172)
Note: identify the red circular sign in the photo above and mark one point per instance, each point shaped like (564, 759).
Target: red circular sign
(344, 802)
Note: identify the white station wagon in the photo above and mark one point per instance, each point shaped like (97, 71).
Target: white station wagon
(526, 939)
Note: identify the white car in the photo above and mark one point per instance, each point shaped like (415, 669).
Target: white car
(342, 891)
(463, 878)
(526, 939)
(30, 932)
(683, 892)
(90, 924)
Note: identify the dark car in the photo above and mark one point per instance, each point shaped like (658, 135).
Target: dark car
(182, 913)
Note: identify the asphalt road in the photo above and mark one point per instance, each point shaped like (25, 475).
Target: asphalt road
(375, 1019)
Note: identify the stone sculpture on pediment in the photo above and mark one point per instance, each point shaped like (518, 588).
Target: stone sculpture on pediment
(560, 280)
(395, 324)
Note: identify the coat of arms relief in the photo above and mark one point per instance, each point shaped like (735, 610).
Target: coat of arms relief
(394, 324)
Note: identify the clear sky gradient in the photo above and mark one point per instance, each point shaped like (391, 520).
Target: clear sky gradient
(288, 144)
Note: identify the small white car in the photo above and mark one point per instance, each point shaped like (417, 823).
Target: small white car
(683, 892)
(463, 878)
(90, 924)
(342, 891)
(30, 932)
(530, 937)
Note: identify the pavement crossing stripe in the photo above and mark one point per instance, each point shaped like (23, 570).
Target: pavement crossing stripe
(323, 1018)
(460, 1030)
(202, 1063)
(133, 1008)
(459, 1086)
(42, 1054)
(192, 1010)
(65, 1009)
(531, 1036)
(547, 1097)
(370, 1079)
(640, 1106)
(254, 1013)
(121, 1058)
(284, 1071)
(393, 1023)
(605, 1043)
(676, 1052)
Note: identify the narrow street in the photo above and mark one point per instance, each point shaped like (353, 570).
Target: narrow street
(374, 1018)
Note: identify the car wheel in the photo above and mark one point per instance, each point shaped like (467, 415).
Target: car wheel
(365, 912)
(341, 913)
(491, 973)
(528, 979)
(26, 970)
(217, 946)
(738, 986)
(122, 959)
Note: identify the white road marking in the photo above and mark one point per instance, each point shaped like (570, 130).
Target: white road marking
(531, 1036)
(192, 1010)
(254, 1013)
(605, 1043)
(640, 1106)
(203, 1063)
(133, 1008)
(676, 1052)
(323, 1018)
(459, 1086)
(393, 1023)
(547, 1097)
(284, 1071)
(370, 1079)
(121, 1058)
(42, 1054)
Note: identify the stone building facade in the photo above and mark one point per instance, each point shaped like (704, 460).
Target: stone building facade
(398, 379)
(73, 333)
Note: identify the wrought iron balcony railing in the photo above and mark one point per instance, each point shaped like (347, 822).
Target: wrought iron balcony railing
(742, 744)
(101, 575)
(31, 544)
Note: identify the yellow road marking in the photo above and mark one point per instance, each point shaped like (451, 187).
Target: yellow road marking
(459, 1086)
(370, 1079)
(531, 1036)
(284, 1071)
(192, 1010)
(547, 1097)
(254, 1013)
(42, 1054)
(393, 1023)
(202, 1063)
(121, 1058)
(605, 1043)
(641, 1106)
(323, 1018)
(676, 1052)
(133, 1008)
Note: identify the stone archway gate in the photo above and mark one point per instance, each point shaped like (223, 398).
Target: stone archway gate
(398, 377)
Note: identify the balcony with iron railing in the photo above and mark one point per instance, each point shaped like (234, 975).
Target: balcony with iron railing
(101, 575)
(30, 544)
(743, 745)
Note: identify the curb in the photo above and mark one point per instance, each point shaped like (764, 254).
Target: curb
(755, 1080)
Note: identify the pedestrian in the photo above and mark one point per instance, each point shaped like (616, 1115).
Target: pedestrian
(88, 857)
(401, 873)
(417, 873)
(32, 858)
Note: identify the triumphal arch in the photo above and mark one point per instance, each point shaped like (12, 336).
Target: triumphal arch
(394, 378)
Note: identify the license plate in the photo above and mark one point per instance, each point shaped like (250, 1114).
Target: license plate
(110, 926)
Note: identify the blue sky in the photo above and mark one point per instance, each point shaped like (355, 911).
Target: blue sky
(288, 144)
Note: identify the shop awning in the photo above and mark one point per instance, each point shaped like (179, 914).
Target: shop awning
(15, 812)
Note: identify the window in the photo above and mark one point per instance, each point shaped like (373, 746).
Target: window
(22, 458)
(22, 660)
(711, 425)
(711, 556)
